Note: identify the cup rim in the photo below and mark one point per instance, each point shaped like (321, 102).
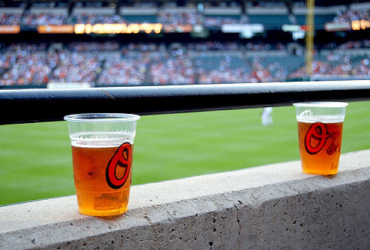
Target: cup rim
(321, 104)
(101, 117)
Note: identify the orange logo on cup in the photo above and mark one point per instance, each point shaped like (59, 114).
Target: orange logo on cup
(121, 159)
(319, 132)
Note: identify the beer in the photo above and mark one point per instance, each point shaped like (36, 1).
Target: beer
(102, 176)
(320, 146)
(102, 150)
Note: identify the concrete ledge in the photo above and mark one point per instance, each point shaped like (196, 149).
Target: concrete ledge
(268, 207)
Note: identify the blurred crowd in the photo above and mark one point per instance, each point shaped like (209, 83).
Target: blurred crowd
(182, 18)
(33, 20)
(164, 17)
(359, 44)
(344, 67)
(124, 70)
(219, 21)
(351, 15)
(111, 63)
(264, 46)
(93, 46)
(225, 75)
(26, 68)
(166, 69)
(10, 19)
(189, 17)
(213, 45)
(86, 18)
(77, 67)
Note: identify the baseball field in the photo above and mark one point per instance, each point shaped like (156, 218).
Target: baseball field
(36, 162)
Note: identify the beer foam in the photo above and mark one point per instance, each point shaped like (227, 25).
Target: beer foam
(303, 117)
(100, 139)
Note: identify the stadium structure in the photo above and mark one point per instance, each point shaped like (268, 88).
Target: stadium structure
(62, 44)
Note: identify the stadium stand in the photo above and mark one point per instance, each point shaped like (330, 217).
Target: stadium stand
(77, 67)
(29, 59)
(124, 69)
(109, 63)
(179, 70)
(270, 21)
(350, 15)
(44, 16)
(217, 21)
(10, 18)
(171, 69)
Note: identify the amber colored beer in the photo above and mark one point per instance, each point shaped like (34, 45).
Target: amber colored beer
(95, 196)
(320, 147)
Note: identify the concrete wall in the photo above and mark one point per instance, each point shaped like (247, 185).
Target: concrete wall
(268, 207)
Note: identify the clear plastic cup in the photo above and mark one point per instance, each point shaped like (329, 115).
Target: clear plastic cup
(320, 129)
(102, 153)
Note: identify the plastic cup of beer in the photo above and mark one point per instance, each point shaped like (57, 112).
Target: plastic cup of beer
(102, 154)
(320, 128)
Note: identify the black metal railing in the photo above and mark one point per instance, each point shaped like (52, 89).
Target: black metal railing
(39, 105)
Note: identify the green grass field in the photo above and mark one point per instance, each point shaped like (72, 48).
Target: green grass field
(35, 159)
